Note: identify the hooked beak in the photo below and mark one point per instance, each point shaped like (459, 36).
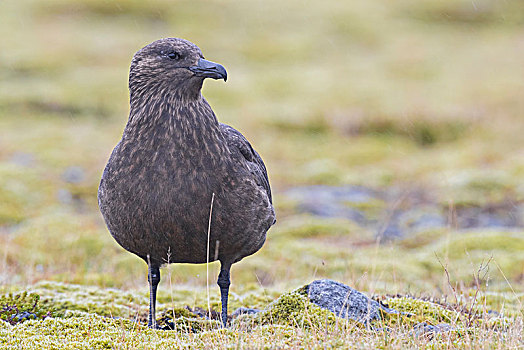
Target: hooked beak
(208, 69)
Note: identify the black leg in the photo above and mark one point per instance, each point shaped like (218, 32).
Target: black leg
(153, 277)
(224, 282)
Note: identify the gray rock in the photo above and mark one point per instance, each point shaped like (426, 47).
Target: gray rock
(345, 302)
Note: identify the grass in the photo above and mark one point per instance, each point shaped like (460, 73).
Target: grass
(405, 95)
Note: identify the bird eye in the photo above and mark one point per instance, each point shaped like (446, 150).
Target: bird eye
(173, 55)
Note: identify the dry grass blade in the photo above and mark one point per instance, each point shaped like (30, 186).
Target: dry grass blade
(207, 254)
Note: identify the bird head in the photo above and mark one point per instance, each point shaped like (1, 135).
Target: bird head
(172, 64)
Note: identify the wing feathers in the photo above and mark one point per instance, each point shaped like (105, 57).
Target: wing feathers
(237, 141)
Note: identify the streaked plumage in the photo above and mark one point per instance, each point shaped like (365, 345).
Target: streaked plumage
(156, 190)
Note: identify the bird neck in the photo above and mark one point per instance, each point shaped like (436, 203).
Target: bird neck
(187, 124)
(143, 88)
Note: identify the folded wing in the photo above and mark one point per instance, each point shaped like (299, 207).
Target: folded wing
(238, 143)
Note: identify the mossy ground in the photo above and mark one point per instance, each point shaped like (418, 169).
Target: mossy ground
(373, 93)
(290, 320)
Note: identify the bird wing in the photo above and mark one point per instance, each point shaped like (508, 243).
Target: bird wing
(237, 142)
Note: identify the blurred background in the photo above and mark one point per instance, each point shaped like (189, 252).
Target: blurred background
(392, 134)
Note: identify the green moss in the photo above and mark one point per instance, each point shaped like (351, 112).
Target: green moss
(295, 309)
(421, 311)
(105, 302)
(94, 332)
(70, 300)
(472, 318)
